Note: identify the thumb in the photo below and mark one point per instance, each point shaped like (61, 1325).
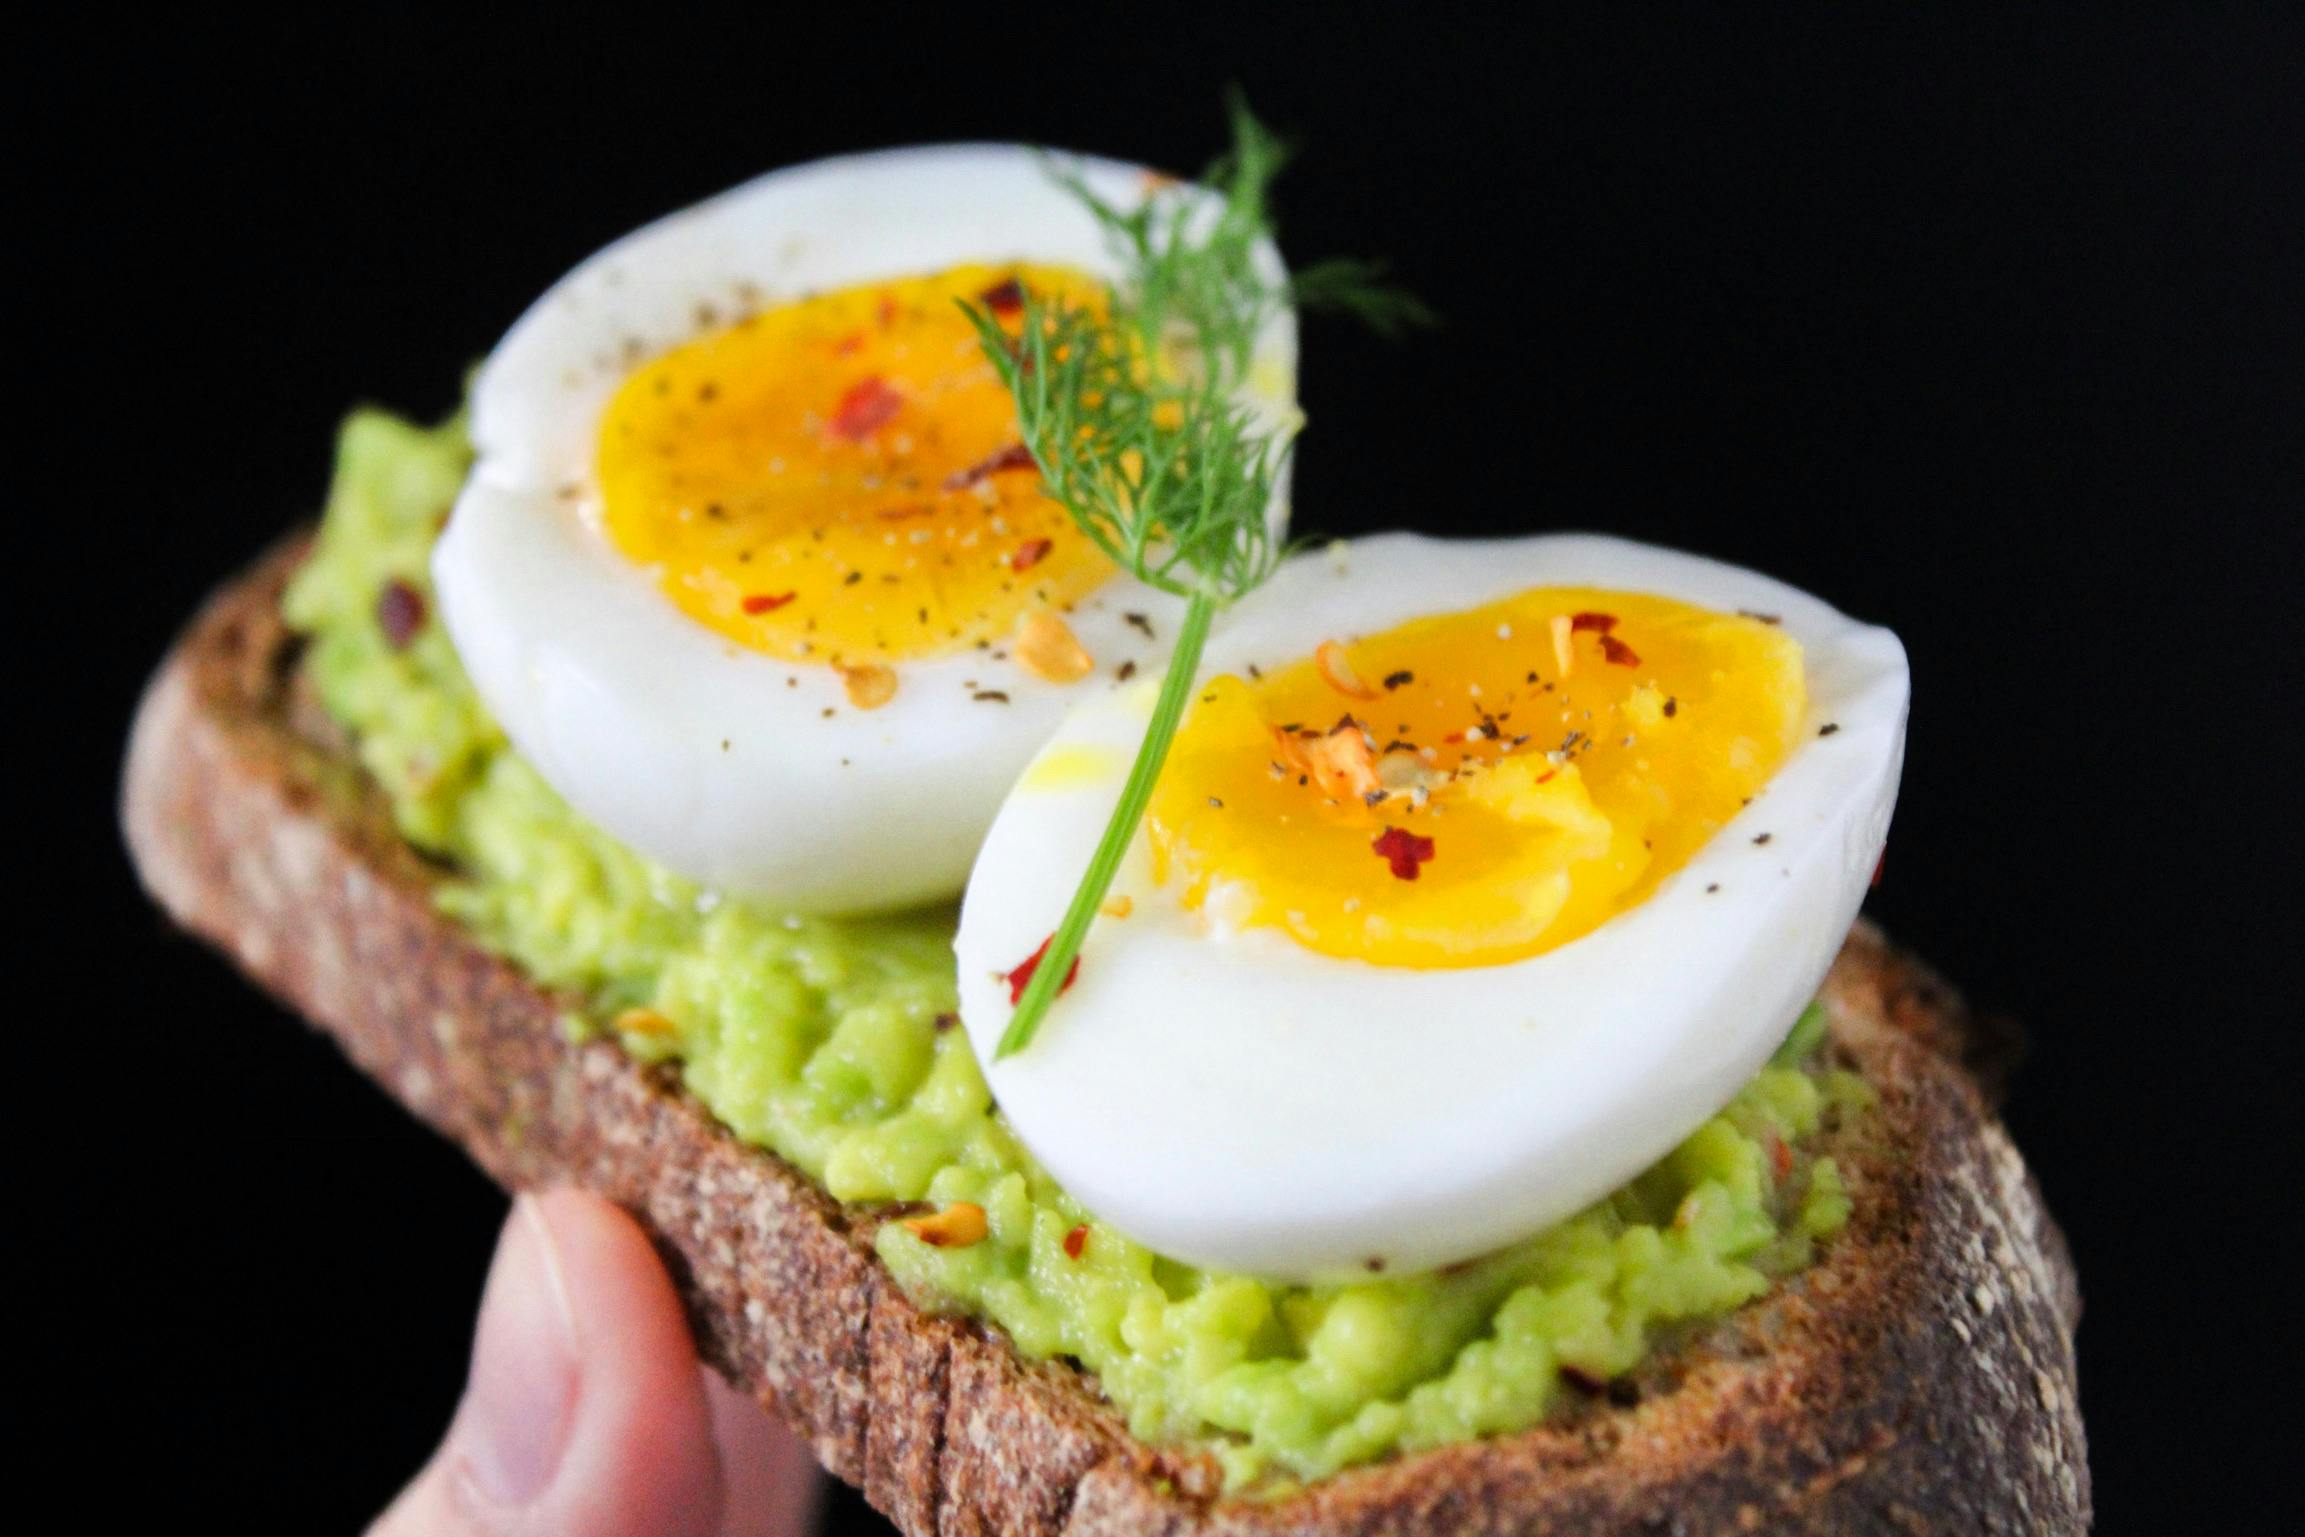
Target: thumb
(585, 1412)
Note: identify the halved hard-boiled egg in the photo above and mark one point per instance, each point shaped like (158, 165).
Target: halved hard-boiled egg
(1478, 876)
(753, 566)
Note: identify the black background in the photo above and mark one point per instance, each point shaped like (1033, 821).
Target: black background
(1986, 329)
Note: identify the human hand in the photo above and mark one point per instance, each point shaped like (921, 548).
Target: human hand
(586, 1412)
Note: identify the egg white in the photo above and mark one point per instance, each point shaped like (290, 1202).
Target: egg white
(721, 762)
(1234, 1099)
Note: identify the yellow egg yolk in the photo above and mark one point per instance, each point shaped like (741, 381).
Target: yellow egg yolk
(841, 480)
(1477, 787)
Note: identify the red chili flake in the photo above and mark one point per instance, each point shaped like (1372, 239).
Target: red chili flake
(1404, 850)
(849, 344)
(1615, 650)
(1780, 1157)
(887, 311)
(867, 407)
(1004, 298)
(1580, 623)
(1076, 1242)
(1014, 457)
(765, 602)
(399, 613)
(1030, 554)
(1021, 978)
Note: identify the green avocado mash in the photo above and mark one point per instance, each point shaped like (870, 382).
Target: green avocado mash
(830, 1043)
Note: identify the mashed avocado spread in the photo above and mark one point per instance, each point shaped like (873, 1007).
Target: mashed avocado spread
(832, 1044)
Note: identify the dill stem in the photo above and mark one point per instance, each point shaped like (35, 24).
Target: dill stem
(1176, 689)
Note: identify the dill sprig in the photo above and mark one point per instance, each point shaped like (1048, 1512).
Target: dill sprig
(1171, 476)
(1135, 415)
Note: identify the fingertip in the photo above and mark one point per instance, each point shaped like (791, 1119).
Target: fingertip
(587, 1413)
(640, 1453)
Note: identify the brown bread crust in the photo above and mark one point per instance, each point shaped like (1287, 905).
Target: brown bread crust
(1919, 1378)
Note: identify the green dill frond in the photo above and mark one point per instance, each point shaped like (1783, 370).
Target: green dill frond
(1351, 285)
(1172, 477)
(1137, 417)
(1194, 285)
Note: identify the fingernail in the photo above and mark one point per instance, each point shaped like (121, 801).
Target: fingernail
(513, 1424)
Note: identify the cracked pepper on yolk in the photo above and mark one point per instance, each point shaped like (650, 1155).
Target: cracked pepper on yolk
(840, 478)
(1551, 800)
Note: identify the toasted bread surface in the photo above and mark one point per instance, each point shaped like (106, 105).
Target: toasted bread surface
(1919, 1377)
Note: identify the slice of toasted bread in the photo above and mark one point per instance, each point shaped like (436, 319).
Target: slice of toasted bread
(1918, 1378)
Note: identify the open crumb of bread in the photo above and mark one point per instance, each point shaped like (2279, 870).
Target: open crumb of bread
(1917, 1378)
